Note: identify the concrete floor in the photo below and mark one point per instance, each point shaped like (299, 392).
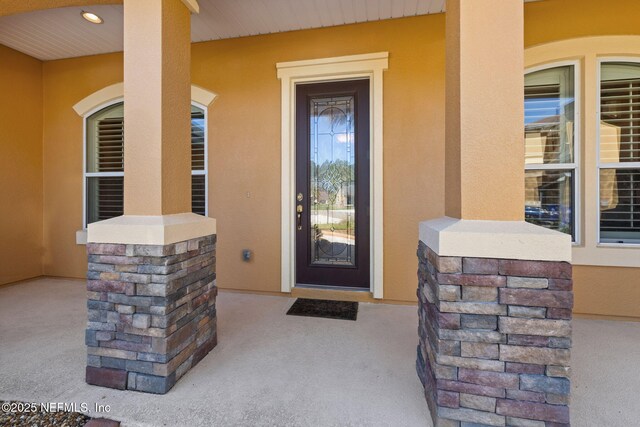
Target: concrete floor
(270, 369)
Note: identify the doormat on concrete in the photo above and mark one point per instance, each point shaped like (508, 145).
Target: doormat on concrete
(343, 310)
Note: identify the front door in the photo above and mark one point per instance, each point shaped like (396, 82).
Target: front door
(332, 184)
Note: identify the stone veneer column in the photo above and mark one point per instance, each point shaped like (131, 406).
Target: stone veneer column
(152, 313)
(495, 332)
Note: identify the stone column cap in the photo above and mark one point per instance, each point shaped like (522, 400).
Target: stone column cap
(495, 239)
(151, 230)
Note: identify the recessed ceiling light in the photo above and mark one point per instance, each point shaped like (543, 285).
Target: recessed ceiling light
(92, 17)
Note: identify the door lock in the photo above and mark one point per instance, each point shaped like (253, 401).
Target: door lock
(299, 215)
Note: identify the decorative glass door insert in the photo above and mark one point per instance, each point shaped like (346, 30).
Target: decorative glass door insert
(332, 181)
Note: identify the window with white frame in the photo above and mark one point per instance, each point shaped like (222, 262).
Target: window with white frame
(551, 166)
(198, 161)
(104, 163)
(619, 153)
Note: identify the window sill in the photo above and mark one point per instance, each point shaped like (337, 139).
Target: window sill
(81, 237)
(607, 255)
(619, 245)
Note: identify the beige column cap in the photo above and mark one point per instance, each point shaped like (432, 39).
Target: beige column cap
(495, 239)
(150, 230)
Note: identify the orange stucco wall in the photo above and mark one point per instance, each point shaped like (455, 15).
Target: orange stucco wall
(550, 20)
(65, 83)
(20, 166)
(606, 291)
(244, 138)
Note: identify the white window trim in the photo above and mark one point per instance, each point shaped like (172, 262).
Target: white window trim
(369, 66)
(577, 144)
(599, 165)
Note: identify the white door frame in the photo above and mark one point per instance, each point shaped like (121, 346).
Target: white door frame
(369, 66)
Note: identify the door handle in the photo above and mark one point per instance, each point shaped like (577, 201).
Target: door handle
(299, 215)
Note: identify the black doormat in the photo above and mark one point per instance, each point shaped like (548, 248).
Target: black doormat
(344, 310)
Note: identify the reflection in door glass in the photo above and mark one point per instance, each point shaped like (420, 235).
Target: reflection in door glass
(332, 181)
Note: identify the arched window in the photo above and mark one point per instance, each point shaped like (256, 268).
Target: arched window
(104, 162)
(551, 138)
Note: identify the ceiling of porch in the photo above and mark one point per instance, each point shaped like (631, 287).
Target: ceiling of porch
(62, 33)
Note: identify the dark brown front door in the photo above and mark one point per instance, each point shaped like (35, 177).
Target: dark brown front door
(332, 184)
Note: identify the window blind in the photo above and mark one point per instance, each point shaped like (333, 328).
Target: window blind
(110, 141)
(620, 153)
(197, 139)
(198, 177)
(198, 194)
(105, 164)
(105, 197)
(620, 108)
(620, 204)
(110, 153)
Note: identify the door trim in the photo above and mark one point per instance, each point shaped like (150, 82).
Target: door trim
(369, 66)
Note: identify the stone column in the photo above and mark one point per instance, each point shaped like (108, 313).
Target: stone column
(151, 275)
(152, 313)
(495, 293)
(495, 333)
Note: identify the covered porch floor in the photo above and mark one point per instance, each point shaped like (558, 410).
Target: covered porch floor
(270, 369)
